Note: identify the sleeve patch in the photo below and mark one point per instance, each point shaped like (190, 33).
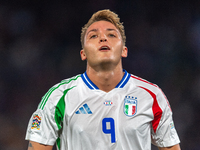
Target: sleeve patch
(171, 125)
(36, 122)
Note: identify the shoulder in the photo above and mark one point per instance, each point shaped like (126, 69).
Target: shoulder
(140, 82)
(67, 83)
(73, 81)
(149, 87)
(56, 92)
(154, 90)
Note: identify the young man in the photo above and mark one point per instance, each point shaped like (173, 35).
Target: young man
(105, 108)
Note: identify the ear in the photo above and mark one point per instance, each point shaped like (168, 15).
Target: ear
(83, 55)
(124, 51)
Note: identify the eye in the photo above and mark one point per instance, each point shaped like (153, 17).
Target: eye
(111, 35)
(93, 36)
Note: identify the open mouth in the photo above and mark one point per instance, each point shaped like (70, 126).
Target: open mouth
(103, 48)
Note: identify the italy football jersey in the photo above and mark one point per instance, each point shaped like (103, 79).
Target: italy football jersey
(76, 115)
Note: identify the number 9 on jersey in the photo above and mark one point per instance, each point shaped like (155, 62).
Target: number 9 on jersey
(108, 127)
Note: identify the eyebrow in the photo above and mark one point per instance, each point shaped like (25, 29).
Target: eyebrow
(108, 29)
(93, 30)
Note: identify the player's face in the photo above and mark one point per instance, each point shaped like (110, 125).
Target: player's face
(103, 44)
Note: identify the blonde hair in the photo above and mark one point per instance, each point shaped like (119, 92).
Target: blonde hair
(105, 15)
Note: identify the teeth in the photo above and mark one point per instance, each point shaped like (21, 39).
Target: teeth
(104, 47)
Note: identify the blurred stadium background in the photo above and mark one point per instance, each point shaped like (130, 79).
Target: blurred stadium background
(40, 44)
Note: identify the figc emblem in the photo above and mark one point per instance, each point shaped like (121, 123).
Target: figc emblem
(130, 106)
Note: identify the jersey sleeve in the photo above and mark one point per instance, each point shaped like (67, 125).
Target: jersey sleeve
(43, 127)
(165, 134)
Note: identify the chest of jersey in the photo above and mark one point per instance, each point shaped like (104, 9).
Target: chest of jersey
(109, 117)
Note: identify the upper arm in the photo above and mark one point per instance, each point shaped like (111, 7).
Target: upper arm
(42, 126)
(37, 146)
(165, 133)
(175, 147)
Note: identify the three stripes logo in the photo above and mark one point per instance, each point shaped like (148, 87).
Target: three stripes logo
(84, 110)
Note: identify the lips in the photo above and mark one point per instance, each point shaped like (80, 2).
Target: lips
(104, 47)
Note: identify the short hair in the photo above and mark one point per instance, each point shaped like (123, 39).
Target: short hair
(104, 15)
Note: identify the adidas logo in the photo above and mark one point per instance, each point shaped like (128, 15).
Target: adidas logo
(84, 110)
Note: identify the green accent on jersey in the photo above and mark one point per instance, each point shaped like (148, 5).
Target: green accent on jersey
(47, 95)
(58, 143)
(60, 109)
(60, 112)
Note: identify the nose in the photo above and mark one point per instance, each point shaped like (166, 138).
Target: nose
(103, 38)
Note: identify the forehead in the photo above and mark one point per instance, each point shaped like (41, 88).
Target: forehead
(104, 25)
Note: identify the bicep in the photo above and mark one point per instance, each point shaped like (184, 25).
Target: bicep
(175, 147)
(37, 146)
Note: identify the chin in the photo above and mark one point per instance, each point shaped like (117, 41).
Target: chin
(109, 62)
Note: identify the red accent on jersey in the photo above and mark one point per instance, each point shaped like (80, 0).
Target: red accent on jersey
(166, 99)
(157, 111)
(138, 78)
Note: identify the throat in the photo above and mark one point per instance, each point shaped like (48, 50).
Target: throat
(106, 80)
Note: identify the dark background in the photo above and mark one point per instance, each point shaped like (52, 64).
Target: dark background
(40, 44)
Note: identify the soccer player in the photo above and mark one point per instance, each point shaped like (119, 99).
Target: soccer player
(105, 108)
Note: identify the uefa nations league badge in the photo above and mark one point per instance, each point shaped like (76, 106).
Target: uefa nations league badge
(130, 106)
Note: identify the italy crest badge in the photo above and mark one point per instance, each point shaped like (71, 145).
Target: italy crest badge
(130, 106)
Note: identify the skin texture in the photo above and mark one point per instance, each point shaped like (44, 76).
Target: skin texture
(175, 147)
(99, 34)
(37, 146)
(104, 67)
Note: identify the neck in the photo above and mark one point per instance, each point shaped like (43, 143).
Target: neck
(105, 80)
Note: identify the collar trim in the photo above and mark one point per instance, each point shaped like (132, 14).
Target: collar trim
(92, 86)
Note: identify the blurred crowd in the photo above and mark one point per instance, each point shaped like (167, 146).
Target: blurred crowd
(40, 44)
